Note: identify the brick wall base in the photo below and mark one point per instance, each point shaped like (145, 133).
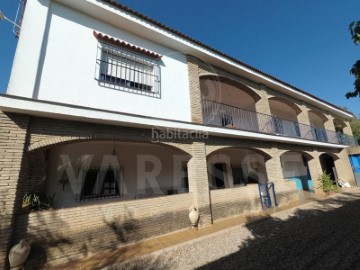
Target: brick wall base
(240, 200)
(61, 235)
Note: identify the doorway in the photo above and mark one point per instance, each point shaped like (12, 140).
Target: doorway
(219, 170)
(328, 166)
(355, 164)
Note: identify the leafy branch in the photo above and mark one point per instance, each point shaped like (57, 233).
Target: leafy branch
(354, 29)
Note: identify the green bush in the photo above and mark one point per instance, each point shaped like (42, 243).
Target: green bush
(326, 183)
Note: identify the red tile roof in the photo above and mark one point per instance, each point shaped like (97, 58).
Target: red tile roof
(171, 30)
(127, 45)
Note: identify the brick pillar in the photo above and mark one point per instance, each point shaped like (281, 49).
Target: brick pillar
(198, 182)
(285, 189)
(303, 116)
(329, 124)
(347, 130)
(262, 105)
(13, 129)
(194, 88)
(343, 168)
(315, 171)
(273, 166)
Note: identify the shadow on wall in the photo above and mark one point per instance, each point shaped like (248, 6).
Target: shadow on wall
(43, 238)
(59, 243)
(326, 238)
(123, 227)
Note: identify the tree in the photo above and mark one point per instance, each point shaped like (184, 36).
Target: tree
(354, 29)
(355, 126)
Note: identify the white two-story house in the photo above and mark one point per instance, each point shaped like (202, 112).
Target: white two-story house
(128, 123)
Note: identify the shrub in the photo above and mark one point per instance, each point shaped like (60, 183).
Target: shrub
(326, 183)
(38, 201)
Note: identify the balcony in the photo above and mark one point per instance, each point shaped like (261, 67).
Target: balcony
(222, 115)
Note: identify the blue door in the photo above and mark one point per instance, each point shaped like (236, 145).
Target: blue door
(355, 164)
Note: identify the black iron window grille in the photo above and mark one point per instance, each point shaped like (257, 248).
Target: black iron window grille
(101, 183)
(125, 70)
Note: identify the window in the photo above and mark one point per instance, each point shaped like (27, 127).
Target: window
(126, 70)
(100, 183)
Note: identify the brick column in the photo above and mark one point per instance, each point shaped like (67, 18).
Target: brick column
(347, 130)
(303, 116)
(343, 168)
(329, 124)
(13, 129)
(262, 105)
(273, 166)
(285, 189)
(315, 171)
(194, 88)
(198, 182)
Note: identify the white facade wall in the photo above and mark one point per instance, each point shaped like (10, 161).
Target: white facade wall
(66, 66)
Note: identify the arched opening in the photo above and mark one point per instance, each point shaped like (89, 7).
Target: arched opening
(227, 103)
(328, 165)
(82, 172)
(317, 121)
(339, 129)
(295, 168)
(284, 109)
(233, 175)
(339, 125)
(236, 167)
(285, 116)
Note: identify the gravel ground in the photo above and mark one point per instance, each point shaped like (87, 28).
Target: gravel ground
(317, 235)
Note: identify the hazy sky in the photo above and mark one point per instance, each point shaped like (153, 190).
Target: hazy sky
(305, 43)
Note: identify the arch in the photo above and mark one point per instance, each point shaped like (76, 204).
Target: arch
(333, 155)
(219, 83)
(136, 170)
(295, 168)
(305, 154)
(50, 142)
(236, 166)
(339, 125)
(317, 118)
(289, 103)
(214, 149)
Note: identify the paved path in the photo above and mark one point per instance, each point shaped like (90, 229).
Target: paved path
(318, 235)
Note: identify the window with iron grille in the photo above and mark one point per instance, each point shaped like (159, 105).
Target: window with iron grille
(99, 183)
(125, 70)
